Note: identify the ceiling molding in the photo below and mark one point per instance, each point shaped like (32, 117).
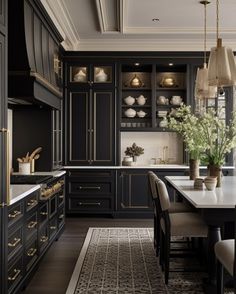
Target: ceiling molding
(103, 12)
(147, 45)
(58, 12)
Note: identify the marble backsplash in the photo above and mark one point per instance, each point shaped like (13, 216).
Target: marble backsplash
(153, 144)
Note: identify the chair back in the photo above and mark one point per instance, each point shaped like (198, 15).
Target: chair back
(163, 195)
(151, 179)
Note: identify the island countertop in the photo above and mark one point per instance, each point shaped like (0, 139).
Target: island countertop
(18, 192)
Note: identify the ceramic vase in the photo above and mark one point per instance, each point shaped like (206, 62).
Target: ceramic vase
(193, 169)
(215, 171)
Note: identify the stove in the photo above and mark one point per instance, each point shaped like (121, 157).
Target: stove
(49, 184)
(30, 179)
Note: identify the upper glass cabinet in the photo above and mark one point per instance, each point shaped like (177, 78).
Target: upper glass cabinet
(91, 74)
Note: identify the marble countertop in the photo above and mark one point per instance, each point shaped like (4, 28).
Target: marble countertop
(18, 192)
(55, 173)
(152, 167)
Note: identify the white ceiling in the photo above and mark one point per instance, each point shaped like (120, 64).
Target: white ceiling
(126, 25)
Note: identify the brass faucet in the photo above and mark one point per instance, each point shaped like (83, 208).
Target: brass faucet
(164, 158)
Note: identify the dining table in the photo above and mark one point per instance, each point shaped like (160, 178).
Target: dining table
(216, 207)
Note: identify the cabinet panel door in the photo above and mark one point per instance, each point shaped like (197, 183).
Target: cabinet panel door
(134, 191)
(78, 129)
(103, 127)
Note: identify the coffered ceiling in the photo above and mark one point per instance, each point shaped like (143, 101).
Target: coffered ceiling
(141, 25)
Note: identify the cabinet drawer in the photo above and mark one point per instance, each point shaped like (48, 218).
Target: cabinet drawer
(43, 213)
(61, 217)
(52, 227)
(15, 213)
(31, 253)
(15, 241)
(84, 204)
(84, 188)
(89, 174)
(14, 274)
(31, 201)
(31, 225)
(43, 237)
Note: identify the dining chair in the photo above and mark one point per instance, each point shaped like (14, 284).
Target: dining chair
(175, 207)
(225, 255)
(184, 224)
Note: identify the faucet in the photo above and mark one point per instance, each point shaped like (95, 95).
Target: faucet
(164, 158)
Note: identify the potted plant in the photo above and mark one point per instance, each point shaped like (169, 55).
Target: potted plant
(134, 151)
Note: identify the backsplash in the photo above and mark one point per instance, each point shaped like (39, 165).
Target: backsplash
(153, 144)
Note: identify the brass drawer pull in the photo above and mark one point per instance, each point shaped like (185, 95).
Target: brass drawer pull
(14, 214)
(31, 252)
(44, 239)
(53, 227)
(89, 203)
(89, 188)
(61, 216)
(32, 225)
(16, 274)
(43, 213)
(61, 196)
(32, 202)
(16, 241)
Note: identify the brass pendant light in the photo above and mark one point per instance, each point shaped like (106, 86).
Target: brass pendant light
(222, 67)
(202, 88)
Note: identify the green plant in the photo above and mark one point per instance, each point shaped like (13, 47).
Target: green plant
(134, 150)
(189, 127)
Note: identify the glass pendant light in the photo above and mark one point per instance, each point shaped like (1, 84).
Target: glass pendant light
(202, 88)
(222, 67)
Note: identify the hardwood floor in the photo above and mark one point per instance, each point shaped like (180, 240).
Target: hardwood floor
(55, 270)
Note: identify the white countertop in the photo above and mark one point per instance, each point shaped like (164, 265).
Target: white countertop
(152, 167)
(223, 197)
(55, 173)
(18, 192)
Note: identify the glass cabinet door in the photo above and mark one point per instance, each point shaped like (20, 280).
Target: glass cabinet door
(79, 74)
(102, 74)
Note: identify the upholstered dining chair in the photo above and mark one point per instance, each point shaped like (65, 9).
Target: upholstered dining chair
(175, 207)
(184, 224)
(225, 255)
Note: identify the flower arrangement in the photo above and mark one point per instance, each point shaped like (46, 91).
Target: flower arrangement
(134, 150)
(207, 137)
(189, 127)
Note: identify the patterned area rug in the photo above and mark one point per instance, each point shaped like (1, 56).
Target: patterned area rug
(123, 261)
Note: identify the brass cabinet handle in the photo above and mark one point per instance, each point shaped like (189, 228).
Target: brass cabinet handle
(43, 213)
(15, 242)
(61, 216)
(32, 225)
(32, 202)
(89, 203)
(61, 196)
(14, 214)
(31, 252)
(89, 188)
(16, 274)
(53, 227)
(44, 239)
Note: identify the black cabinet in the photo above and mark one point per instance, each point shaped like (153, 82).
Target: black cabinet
(133, 198)
(90, 192)
(91, 127)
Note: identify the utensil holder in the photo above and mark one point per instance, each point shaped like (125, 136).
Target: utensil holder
(24, 168)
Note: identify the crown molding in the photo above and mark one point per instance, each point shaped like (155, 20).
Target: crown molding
(59, 14)
(103, 18)
(147, 45)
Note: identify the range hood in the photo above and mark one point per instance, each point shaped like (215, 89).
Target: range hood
(34, 70)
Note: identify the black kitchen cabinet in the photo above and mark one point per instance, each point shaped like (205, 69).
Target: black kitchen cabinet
(133, 199)
(90, 192)
(90, 127)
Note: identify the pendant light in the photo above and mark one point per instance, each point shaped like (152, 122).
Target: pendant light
(202, 88)
(222, 67)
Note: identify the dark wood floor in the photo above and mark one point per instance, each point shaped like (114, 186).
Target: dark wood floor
(55, 270)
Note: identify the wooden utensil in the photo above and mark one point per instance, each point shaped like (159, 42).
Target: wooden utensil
(37, 150)
(19, 160)
(37, 156)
